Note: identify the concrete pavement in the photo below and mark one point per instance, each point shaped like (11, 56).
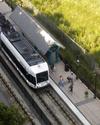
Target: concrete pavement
(4, 8)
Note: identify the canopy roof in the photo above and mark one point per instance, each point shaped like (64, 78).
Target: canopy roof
(33, 30)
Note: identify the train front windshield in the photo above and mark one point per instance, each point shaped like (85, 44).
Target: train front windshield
(42, 77)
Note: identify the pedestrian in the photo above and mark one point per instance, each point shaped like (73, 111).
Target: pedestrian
(69, 79)
(61, 81)
(52, 67)
(71, 87)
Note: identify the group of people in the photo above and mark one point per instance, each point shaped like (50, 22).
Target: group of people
(61, 80)
(70, 80)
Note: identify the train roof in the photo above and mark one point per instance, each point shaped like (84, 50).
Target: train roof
(24, 47)
(28, 52)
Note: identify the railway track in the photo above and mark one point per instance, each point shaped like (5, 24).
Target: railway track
(47, 105)
(56, 107)
(9, 96)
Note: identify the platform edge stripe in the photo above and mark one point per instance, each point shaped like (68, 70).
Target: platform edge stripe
(70, 104)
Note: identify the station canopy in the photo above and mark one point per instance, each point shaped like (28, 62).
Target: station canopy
(34, 31)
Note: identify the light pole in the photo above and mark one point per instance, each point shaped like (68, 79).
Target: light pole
(96, 73)
(0, 39)
(78, 61)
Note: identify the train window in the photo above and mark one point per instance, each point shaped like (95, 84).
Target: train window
(41, 77)
(31, 79)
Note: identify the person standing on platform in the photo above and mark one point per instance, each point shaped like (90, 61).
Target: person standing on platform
(52, 67)
(71, 87)
(61, 81)
(71, 83)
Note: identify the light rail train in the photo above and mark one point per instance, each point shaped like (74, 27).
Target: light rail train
(24, 56)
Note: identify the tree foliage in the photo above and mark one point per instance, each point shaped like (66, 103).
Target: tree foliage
(10, 116)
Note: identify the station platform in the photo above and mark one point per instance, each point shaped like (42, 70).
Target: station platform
(88, 106)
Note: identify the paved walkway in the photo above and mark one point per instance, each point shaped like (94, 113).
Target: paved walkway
(4, 8)
(89, 106)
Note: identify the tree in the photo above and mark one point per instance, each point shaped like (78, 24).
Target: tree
(10, 116)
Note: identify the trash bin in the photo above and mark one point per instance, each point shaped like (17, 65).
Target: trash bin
(66, 67)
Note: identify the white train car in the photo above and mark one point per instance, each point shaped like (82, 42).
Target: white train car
(27, 60)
